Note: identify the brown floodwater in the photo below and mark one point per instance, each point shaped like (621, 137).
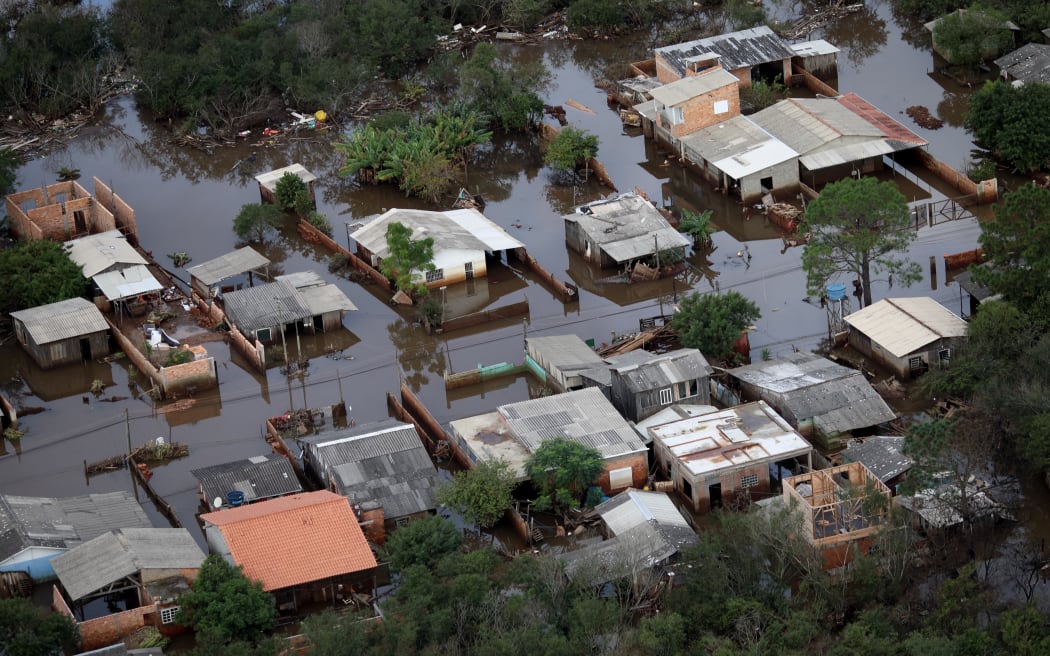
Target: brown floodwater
(185, 200)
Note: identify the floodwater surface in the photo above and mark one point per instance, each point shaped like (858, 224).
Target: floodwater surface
(185, 200)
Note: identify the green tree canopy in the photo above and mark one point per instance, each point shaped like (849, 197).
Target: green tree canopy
(570, 148)
(698, 226)
(968, 37)
(9, 163)
(26, 630)
(422, 542)
(292, 194)
(37, 273)
(855, 227)
(482, 494)
(407, 257)
(223, 601)
(1011, 121)
(255, 221)
(712, 323)
(562, 470)
(506, 93)
(1017, 243)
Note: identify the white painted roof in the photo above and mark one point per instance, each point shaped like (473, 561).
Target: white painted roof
(466, 229)
(640, 507)
(814, 48)
(97, 253)
(126, 283)
(739, 147)
(735, 438)
(269, 179)
(904, 325)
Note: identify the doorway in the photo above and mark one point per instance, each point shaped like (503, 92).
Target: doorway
(85, 349)
(714, 493)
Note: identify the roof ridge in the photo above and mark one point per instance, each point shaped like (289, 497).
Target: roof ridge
(915, 318)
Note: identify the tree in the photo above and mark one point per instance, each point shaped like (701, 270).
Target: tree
(1011, 121)
(562, 470)
(407, 258)
(856, 226)
(37, 273)
(1018, 245)
(507, 94)
(712, 323)
(423, 542)
(224, 602)
(255, 221)
(570, 148)
(698, 227)
(9, 163)
(481, 494)
(26, 630)
(968, 37)
(292, 194)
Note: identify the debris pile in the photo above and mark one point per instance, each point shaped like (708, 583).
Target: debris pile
(923, 118)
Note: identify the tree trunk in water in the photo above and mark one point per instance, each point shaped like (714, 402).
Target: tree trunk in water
(865, 280)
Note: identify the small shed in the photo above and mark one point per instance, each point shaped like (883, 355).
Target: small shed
(883, 455)
(381, 467)
(820, 398)
(205, 276)
(817, 57)
(564, 358)
(252, 479)
(66, 332)
(642, 383)
(619, 231)
(971, 293)
(268, 182)
(907, 335)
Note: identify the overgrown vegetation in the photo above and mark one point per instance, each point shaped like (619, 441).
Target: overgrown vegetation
(570, 149)
(225, 604)
(712, 323)
(972, 36)
(36, 273)
(761, 94)
(408, 259)
(1031, 17)
(293, 195)
(562, 470)
(254, 222)
(1011, 122)
(698, 227)
(26, 630)
(482, 494)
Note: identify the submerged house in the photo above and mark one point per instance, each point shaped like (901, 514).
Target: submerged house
(839, 516)
(693, 103)
(66, 210)
(754, 54)
(820, 398)
(617, 232)
(304, 549)
(66, 332)
(302, 301)
(464, 240)
(268, 182)
(382, 468)
(998, 34)
(515, 430)
(715, 458)
(564, 358)
(253, 479)
(34, 530)
(206, 276)
(142, 571)
(641, 531)
(906, 335)
(836, 137)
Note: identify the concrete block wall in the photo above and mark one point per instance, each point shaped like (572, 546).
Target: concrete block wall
(135, 355)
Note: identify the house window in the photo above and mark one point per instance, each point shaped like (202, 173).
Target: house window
(263, 334)
(687, 389)
(435, 275)
(748, 480)
(944, 356)
(665, 396)
(677, 116)
(721, 106)
(167, 615)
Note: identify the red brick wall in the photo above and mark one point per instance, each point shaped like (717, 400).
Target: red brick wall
(198, 374)
(123, 215)
(664, 72)
(699, 112)
(639, 464)
(375, 530)
(105, 631)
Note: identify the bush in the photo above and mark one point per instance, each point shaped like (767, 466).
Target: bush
(291, 192)
(320, 221)
(571, 147)
(254, 221)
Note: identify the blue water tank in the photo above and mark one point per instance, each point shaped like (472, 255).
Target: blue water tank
(236, 498)
(836, 291)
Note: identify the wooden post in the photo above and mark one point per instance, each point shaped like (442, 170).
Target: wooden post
(127, 429)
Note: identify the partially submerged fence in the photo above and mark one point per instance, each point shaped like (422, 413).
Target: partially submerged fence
(315, 236)
(485, 316)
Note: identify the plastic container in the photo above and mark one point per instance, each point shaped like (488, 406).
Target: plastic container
(836, 291)
(235, 498)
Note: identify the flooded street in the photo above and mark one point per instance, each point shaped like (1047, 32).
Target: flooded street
(185, 200)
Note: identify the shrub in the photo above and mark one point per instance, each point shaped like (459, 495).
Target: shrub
(320, 221)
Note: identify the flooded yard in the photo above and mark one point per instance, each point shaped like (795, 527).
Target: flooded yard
(185, 200)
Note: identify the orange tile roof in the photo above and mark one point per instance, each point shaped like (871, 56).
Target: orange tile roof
(294, 539)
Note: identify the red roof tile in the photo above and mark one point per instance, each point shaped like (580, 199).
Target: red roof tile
(294, 539)
(880, 119)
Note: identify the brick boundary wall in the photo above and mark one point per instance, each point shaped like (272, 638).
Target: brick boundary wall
(315, 236)
(255, 353)
(136, 356)
(122, 213)
(198, 374)
(105, 631)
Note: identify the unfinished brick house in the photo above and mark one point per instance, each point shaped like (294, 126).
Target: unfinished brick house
(841, 509)
(65, 211)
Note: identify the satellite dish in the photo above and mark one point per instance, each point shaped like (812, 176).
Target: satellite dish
(217, 503)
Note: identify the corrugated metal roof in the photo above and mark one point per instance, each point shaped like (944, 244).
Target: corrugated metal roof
(904, 325)
(74, 317)
(112, 556)
(687, 88)
(900, 136)
(127, 282)
(265, 306)
(563, 354)
(734, 438)
(881, 454)
(738, 146)
(742, 49)
(631, 508)
(226, 266)
(837, 398)
(326, 298)
(259, 477)
(64, 522)
(642, 370)
(813, 48)
(382, 463)
(626, 227)
(965, 280)
(270, 178)
(100, 252)
(1029, 63)
(465, 229)
(584, 416)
